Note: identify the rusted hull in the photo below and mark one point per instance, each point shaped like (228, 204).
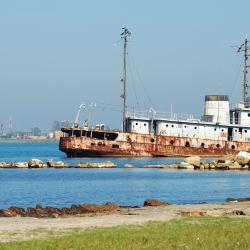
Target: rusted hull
(137, 145)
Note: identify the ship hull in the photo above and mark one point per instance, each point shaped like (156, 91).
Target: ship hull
(137, 145)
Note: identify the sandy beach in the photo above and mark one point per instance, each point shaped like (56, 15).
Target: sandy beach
(24, 228)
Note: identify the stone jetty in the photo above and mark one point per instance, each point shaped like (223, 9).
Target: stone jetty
(53, 212)
(36, 163)
(241, 161)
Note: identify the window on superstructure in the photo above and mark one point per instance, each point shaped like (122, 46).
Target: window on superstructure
(245, 131)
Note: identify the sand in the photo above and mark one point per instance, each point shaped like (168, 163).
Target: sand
(24, 228)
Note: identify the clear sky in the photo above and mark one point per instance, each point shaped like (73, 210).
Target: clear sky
(54, 54)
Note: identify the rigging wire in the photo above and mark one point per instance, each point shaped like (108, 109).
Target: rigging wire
(141, 82)
(236, 79)
(133, 82)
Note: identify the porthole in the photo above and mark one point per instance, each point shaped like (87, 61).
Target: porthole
(202, 145)
(195, 127)
(245, 131)
(217, 145)
(222, 129)
(215, 129)
(187, 144)
(145, 124)
(172, 126)
(233, 147)
(185, 126)
(166, 125)
(136, 123)
(172, 142)
(152, 140)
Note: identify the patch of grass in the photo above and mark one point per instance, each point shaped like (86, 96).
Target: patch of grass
(188, 233)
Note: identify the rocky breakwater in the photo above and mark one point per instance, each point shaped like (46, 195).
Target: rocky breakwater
(36, 163)
(52, 212)
(241, 161)
(75, 210)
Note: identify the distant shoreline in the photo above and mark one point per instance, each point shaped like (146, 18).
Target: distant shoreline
(27, 140)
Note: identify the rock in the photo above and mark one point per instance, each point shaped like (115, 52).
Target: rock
(245, 167)
(221, 166)
(17, 211)
(4, 165)
(204, 165)
(193, 160)
(212, 166)
(192, 213)
(155, 203)
(153, 166)
(128, 166)
(215, 212)
(35, 163)
(231, 200)
(54, 215)
(92, 208)
(237, 200)
(212, 213)
(57, 164)
(236, 212)
(234, 165)
(20, 165)
(243, 158)
(7, 213)
(226, 158)
(176, 165)
(107, 164)
(185, 165)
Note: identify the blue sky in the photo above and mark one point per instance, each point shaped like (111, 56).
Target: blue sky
(56, 54)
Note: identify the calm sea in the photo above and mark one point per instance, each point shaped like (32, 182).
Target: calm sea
(64, 187)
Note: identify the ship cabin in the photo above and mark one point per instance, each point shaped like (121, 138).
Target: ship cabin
(217, 123)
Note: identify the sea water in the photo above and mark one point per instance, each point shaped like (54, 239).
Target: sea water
(123, 186)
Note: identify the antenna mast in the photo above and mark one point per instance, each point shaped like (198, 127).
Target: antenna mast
(124, 35)
(245, 49)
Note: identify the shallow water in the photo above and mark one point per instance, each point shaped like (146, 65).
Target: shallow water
(64, 187)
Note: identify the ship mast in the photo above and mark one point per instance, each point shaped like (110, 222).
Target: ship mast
(245, 49)
(124, 35)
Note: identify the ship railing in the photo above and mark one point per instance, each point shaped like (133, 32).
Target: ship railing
(160, 115)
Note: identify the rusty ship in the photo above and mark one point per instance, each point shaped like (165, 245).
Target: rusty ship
(219, 131)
